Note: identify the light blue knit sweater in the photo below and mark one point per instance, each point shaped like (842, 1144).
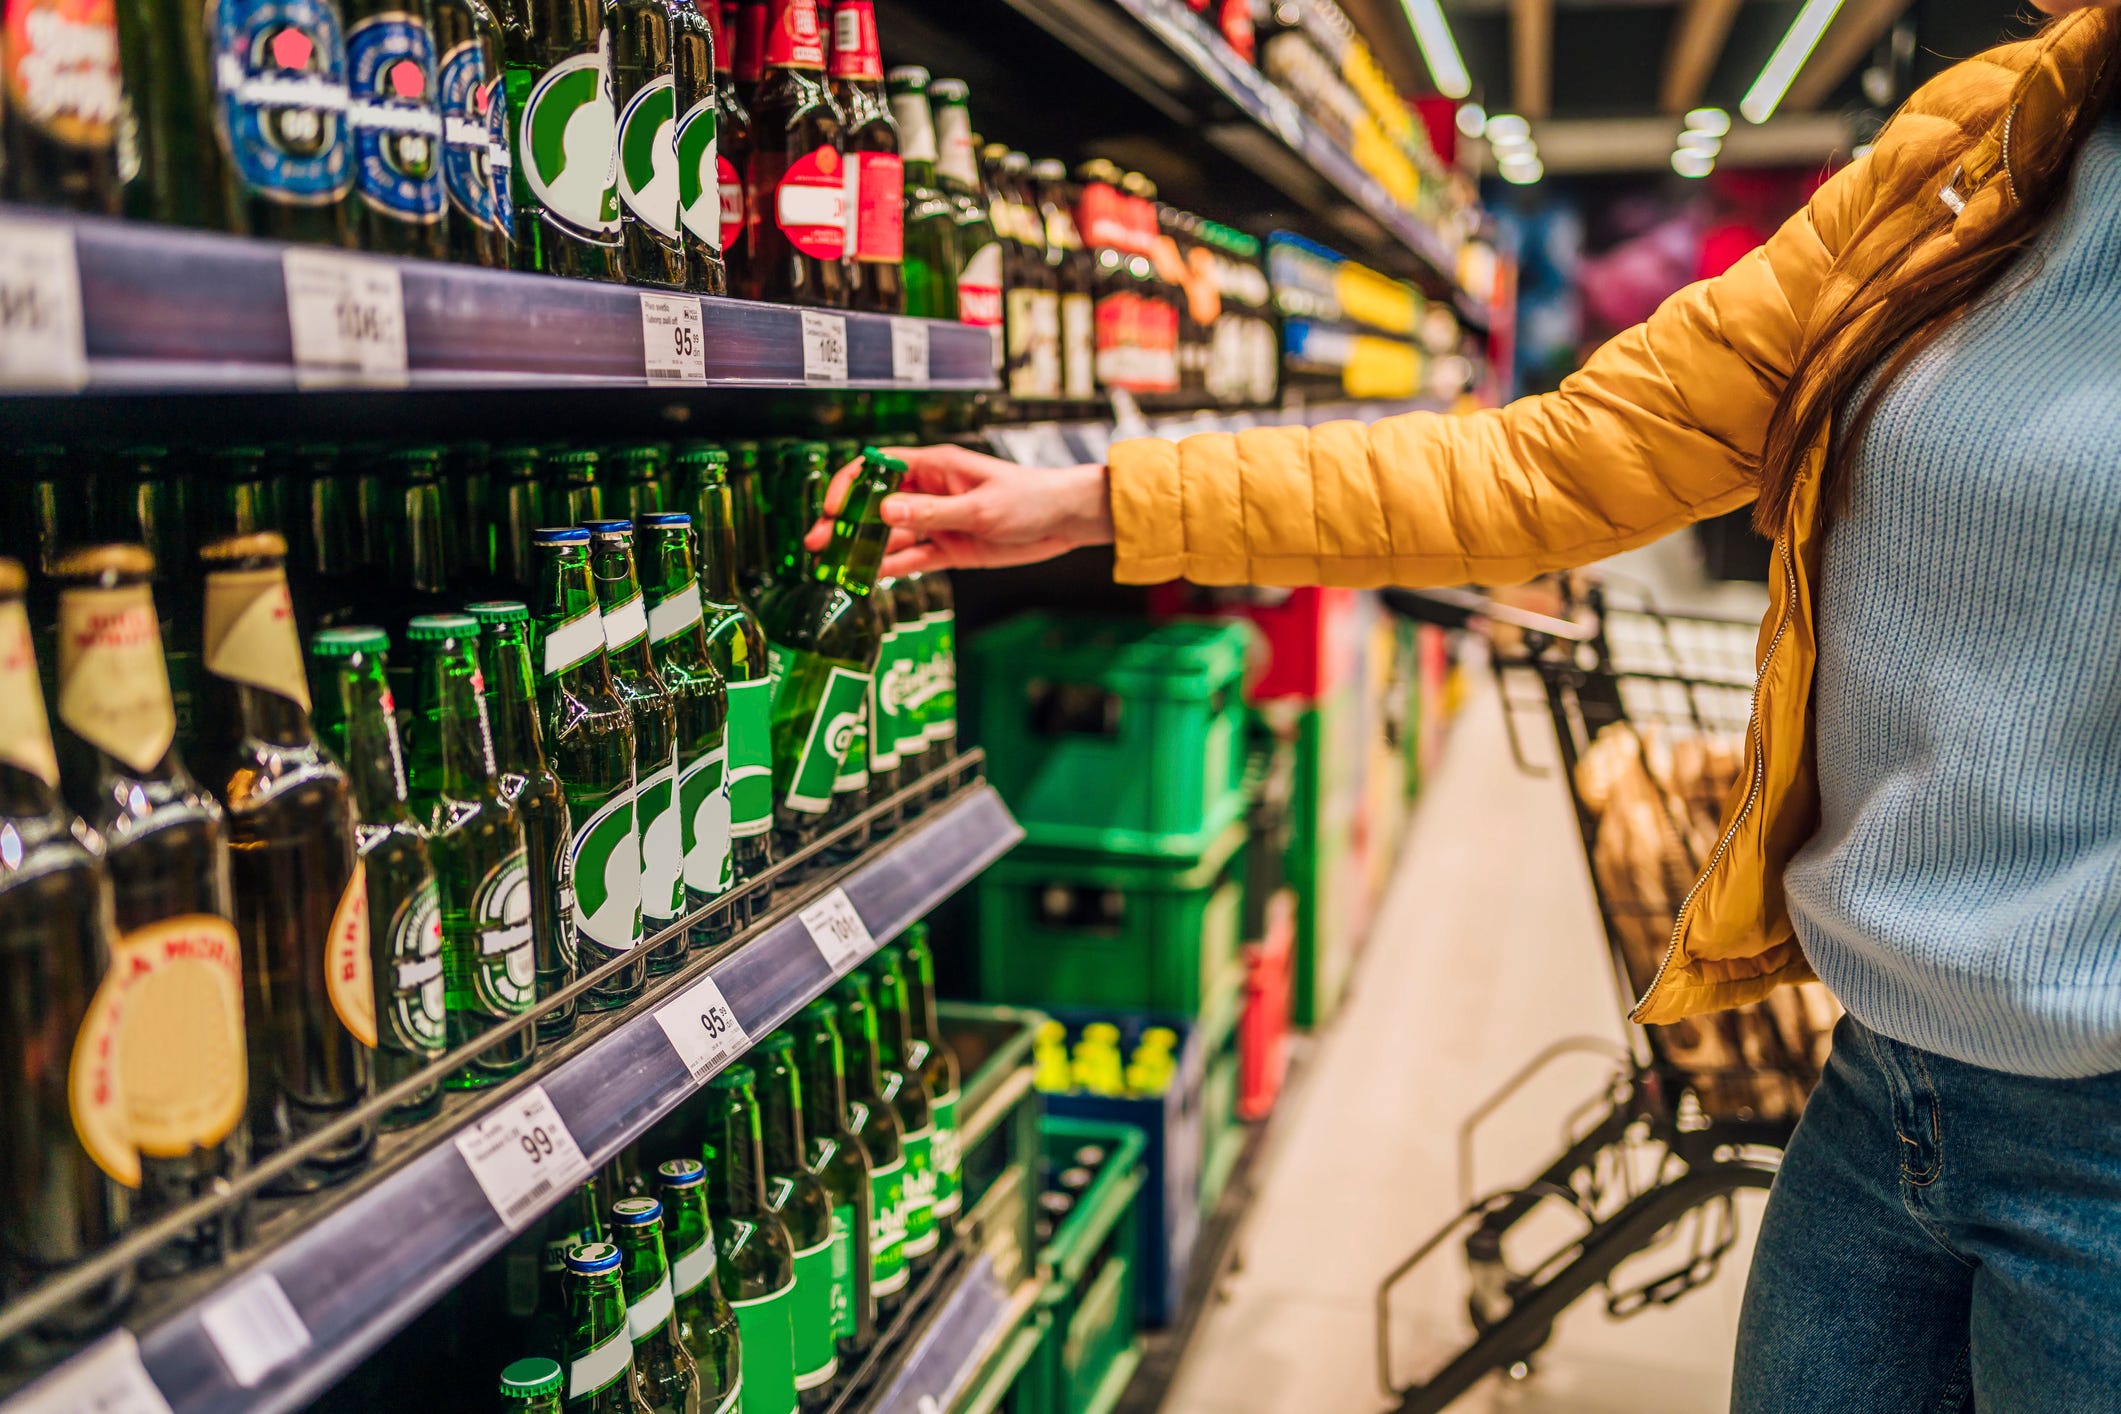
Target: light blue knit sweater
(1963, 894)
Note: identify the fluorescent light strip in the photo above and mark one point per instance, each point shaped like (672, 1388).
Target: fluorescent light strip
(1438, 50)
(1789, 56)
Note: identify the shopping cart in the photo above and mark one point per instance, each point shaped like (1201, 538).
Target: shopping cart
(1690, 1116)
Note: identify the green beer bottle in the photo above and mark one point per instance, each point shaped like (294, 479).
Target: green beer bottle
(872, 1113)
(239, 499)
(537, 1285)
(643, 85)
(623, 1175)
(895, 716)
(475, 155)
(488, 949)
(589, 732)
(979, 249)
(899, 1059)
(655, 737)
(836, 1156)
(532, 1386)
(939, 1067)
(563, 134)
(357, 721)
(756, 1260)
(467, 510)
(805, 470)
(824, 1294)
(517, 495)
(930, 263)
(530, 786)
(396, 125)
(678, 632)
(706, 1322)
(669, 1378)
(601, 1378)
(573, 495)
(692, 63)
(748, 496)
(938, 693)
(634, 481)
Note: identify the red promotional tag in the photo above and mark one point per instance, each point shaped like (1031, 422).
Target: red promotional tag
(810, 204)
(880, 216)
(732, 192)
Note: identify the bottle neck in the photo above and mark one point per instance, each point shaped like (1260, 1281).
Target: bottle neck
(894, 1023)
(715, 508)
(955, 164)
(922, 983)
(357, 720)
(29, 771)
(251, 645)
(453, 709)
(736, 1175)
(824, 1082)
(751, 41)
(858, 1039)
(422, 544)
(781, 1115)
(618, 589)
(856, 56)
(641, 1256)
(794, 41)
(673, 586)
(511, 699)
(856, 551)
(570, 625)
(114, 696)
(685, 1219)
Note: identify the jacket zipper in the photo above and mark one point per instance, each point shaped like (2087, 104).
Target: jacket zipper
(1752, 794)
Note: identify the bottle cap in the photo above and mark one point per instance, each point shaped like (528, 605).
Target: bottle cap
(702, 454)
(665, 520)
(345, 642)
(948, 90)
(907, 74)
(731, 1077)
(415, 457)
(531, 1379)
(258, 545)
(12, 580)
(516, 452)
(1014, 162)
(608, 527)
(636, 1212)
(559, 535)
(499, 611)
(681, 1173)
(639, 455)
(776, 1041)
(880, 462)
(579, 456)
(106, 562)
(1049, 169)
(592, 1258)
(433, 628)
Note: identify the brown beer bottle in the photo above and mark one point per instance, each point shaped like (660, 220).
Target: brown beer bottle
(749, 33)
(732, 151)
(796, 218)
(878, 220)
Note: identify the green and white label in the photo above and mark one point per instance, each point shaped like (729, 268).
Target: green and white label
(887, 700)
(946, 1157)
(667, 618)
(699, 178)
(648, 156)
(854, 761)
(416, 999)
(844, 1218)
(703, 800)
(601, 1366)
(887, 1228)
(939, 693)
(568, 145)
(625, 623)
(644, 1317)
(662, 848)
(504, 972)
(765, 1329)
(834, 721)
(750, 758)
(574, 642)
(921, 1232)
(816, 1336)
(606, 857)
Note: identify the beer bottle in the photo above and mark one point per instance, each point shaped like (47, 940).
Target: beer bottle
(655, 737)
(979, 251)
(623, 1175)
(563, 136)
(1032, 304)
(318, 523)
(61, 100)
(70, 1156)
(669, 1378)
(397, 128)
(756, 1259)
(732, 143)
(897, 745)
(532, 1386)
(174, 154)
(475, 154)
(693, 53)
(540, 801)
(752, 18)
(239, 494)
(872, 1116)
(518, 499)
(939, 704)
(280, 73)
(792, 506)
(796, 218)
(489, 952)
(885, 764)
(573, 494)
(635, 481)
(837, 1158)
(601, 1376)
(537, 1276)
(899, 1054)
(169, 1121)
(929, 268)
(644, 87)
(1074, 275)
(877, 176)
(678, 632)
(737, 647)
(823, 1295)
(747, 493)
(301, 907)
(706, 1323)
(409, 527)
(589, 733)
(939, 1068)
(357, 722)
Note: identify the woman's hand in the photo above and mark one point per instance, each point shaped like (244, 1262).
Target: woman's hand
(960, 509)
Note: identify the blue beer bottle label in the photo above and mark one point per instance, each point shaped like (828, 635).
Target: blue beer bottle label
(500, 158)
(467, 134)
(280, 71)
(397, 131)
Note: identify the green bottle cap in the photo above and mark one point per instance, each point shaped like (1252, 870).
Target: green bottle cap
(433, 628)
(777, 1041)
(734, 1077)
(592, 1258)
(415, 457)
(531, 1379)
(499, 611)
(701, 454)
(345, 642)
(879, 461)
(581, 456)
(636, 1212)
(681, 1173)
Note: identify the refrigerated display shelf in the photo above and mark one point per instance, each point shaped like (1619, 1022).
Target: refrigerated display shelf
(1059, 444)
(329, 1277)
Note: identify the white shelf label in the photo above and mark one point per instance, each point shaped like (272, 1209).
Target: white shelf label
(824, 347)
(42, 340)
(347, 317)
(674, 335)
(838, 930)
(106, 1378)
(523, 1156)
(702, 1029)
(909, 351)
(255, 1328)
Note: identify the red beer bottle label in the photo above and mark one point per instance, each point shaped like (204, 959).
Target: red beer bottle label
(810, 204)
(855, 53)
(793, 39)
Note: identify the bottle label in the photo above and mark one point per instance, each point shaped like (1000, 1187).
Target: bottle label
(916, 126)
(750, 758)
(568, 143)
(601, 1366)
(703, 797)
(730, 188)
(500, 157)
(113, 684)
(699, 175)
(844, 1218)
(466, 94)
(795, 41)
(250, 633)
(348, 979)
(940, 711)
(25, 733)
(921, 1232)
(158, 1065)
(574, 642)
(662, 848)
(675, 614)
(883, 720)
(280, 69)
(61, 66)
(810, 204)
(625, 623)
(853, 774)
(827, 735)
(855, 53)
(979, 287)
(946, 1158)
(694, 1267)
(645, 1315)
(887, 1228)
(648, 155)
(397, 129)
(496, 973)
(816, 1333)
(606, 862)
(765, 1329)
(880, 211)
(416, 1007)
(1078, 346)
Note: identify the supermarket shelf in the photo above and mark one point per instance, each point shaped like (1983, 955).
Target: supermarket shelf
(1058, 444)
(356, 1265)
(166, 310)
(966, 1319)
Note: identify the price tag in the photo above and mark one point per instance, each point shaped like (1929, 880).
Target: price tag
(106, 1378)
(909, 351)
(255, 1328)
(347, 316)
(523, 1156)
(42, 343)
(674, 336)
(825, 347)
(838, 930)
(702, 1029)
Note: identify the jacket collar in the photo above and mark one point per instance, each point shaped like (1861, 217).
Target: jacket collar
(2028, 145)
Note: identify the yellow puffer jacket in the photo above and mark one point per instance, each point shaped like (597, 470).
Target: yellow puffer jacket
(1662, 426)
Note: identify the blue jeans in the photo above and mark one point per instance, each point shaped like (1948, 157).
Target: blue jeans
(1940, 1237)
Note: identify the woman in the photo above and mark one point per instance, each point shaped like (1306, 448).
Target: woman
(1917, 383)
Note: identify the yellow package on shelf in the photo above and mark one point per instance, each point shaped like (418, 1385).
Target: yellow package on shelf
(1367, 297)
(1381, 368)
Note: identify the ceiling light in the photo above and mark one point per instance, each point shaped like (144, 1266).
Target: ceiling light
(1506, 128)
(1789, 56)
(1472, 118)
(1523, 173)
(1438, 50)
(1713, 121)
(1689, 163)
(1693, 140)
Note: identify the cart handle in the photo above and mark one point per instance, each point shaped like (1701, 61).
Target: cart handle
(1460, 608)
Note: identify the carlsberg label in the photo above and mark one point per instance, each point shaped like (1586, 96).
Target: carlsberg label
(750, 757)
(703, 796)
(827, 739)
(606, 856)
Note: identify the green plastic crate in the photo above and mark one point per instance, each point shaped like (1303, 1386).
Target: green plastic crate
(1121, 735)
(1091, 1268)
(1068, 929)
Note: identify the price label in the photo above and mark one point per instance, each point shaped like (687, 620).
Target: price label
(838, 930)
(347, 317)
(702, 1029)
(674, 335)
(42, 343)
(909, 351)
(824, 347)
(255, 1328)
(106, 1378)
(523, 1156)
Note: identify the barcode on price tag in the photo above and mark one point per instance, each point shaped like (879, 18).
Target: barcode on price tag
(255, 1328)
(838, 930)
(523, 1156)
(674, 335)
(106, 1378)
(347, 318)
(702, 1029)
(824, 347)
(909, 351)
(42, 343)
